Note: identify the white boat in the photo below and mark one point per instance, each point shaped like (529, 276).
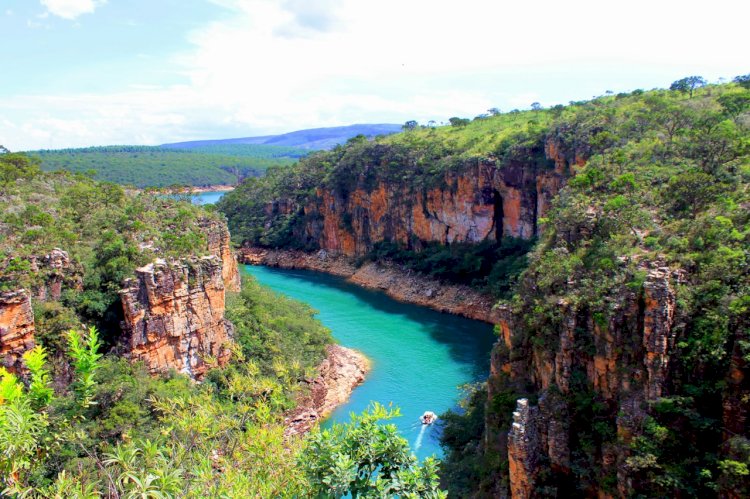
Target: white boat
(428, 417)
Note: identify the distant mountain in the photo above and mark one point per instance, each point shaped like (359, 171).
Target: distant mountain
(314, 138)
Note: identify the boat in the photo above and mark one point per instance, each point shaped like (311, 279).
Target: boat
(428, 417)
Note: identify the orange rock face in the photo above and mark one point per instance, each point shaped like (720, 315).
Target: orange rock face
(481, 202)
(174, 316)
(16, 328)
(626, 363)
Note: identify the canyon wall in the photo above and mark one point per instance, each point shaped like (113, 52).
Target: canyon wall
(480, 201)
(194, 309)
(625, 360)
(174, 316)
(16, 328)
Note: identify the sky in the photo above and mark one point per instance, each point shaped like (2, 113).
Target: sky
(96, 72)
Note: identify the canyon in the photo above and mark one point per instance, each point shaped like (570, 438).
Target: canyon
(481, 201)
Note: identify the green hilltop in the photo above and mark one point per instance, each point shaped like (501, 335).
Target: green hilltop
(156, 166)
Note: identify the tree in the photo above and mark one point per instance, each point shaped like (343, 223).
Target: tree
(365, 458)
(15, 166)
(84, 352)
(688, 84)
(735, 104)
(743, 81)
(535, 106)
(410, 125)
(493, 111)
(690, 192)
(459, 122)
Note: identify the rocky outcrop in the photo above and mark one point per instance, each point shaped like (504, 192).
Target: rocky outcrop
(16, 328)
(54, 273)
(523, 450)
(483, 200)
(174, 316)
(338, 375)
(624, 360)
(399, 284)
(219, 245)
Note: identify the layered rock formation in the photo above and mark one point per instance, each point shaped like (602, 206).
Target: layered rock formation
(174, 316)
(626, 364)
(57, 272)
(174, 311)
(16, 328)
(402, 285)
(481, 201)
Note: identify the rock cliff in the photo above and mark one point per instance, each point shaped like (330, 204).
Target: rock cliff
(16, 328)
(625, 360)
(56, 272)
(174, 316)
(481, 202)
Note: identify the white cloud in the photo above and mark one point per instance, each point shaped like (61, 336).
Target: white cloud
(276, 66)
(71, 9)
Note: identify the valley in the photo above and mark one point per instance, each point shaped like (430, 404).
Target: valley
(580, 270)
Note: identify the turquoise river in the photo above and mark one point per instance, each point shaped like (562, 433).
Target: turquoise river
(419, 357)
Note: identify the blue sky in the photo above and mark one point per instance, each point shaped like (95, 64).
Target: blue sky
(94, 72)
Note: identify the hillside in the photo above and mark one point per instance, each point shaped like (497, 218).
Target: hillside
(200, 163)
(621, 368)
(144, 166)
(311, 139)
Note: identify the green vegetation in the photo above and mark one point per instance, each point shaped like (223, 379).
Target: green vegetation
(106, 231)
(365, 458)
(665, 184)
(83, 422)
(116, 431)
(144, 166)
(492, 267)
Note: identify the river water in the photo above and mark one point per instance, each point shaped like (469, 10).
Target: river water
(419, 357)
(207, 197)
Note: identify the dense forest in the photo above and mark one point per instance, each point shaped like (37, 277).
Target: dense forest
(146, 166)
(654, 221)
(79, 420)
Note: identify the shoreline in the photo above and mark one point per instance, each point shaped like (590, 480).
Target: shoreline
(343, 370)
(399, 284)
(212, 188)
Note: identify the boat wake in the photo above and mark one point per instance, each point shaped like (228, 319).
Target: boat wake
(418, 442)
